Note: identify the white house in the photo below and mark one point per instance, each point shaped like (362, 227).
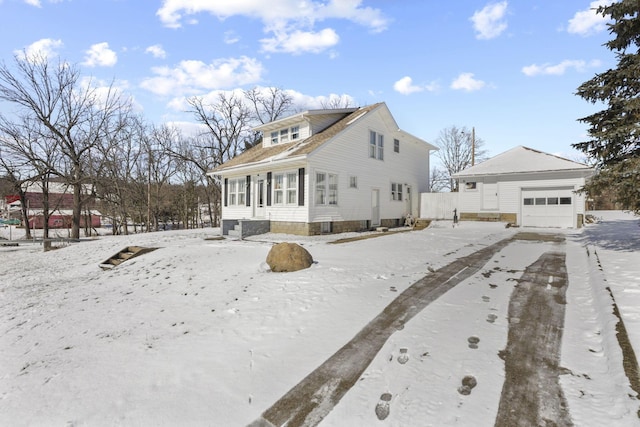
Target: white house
(524, 187)
(325, 171)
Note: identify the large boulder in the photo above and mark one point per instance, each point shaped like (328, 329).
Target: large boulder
(288, 257)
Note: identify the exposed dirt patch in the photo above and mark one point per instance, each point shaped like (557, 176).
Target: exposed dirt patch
(531, 394)
(366, 236)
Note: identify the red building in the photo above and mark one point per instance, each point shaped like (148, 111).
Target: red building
(60, 205)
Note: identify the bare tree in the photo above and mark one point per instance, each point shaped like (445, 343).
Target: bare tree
(267, 105)
(75, 115)
(335, 101)
(459, 149)
(29, 145)
(438, 180)
(227, 123)
(16, 175)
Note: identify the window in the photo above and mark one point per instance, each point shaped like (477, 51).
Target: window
(353, 182)
(295, 132)
(541, 201)
(376, 145)
(372, 144)
(552, 200)
(326, 188)
(470, 185)
(292, 188)
(396, 191)
(285, 188)
(278, 188)
(565, 200)
(274, 137)
(528, 201)
(284, 135)
(237, 192)
(333, 189)
(396, 146)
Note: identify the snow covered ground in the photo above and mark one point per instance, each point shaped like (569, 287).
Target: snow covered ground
(200, 333)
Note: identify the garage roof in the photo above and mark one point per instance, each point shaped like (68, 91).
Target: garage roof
(523, 160)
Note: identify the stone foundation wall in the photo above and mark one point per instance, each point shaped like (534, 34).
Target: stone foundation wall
(286, 227)
(315, 228)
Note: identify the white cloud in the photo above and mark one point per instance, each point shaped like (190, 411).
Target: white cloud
(157, 51)
(405, 86)
(489, 22)
(44, 48)
(558, 69)
(35, 3)
(588, 21)
(195, 76)
(292, 22)
(230, 37)
(297, 42)
(99, 55)
(466, 81)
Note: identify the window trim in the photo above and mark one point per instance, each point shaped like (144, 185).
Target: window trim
(396, 192)
(281, 189)
(236, 189)
(376, 145)
(329, 190)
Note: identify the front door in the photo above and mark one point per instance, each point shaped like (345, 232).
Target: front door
(260, 198)
(375, 208)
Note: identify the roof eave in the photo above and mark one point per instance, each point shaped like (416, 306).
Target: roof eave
(254, 166)
(585, 171)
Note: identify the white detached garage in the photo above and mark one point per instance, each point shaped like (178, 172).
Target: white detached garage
(525, 187)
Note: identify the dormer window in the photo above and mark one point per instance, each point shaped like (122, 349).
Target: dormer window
(284, 135)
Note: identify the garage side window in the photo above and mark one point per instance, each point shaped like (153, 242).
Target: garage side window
(528, 201)
(541, 200)
(565, 200)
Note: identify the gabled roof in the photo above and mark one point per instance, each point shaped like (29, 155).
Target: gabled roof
(523, 160)
(259, 154)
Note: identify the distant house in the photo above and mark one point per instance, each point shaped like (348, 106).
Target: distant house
(325, 171)
(60, 207)
(524, 187)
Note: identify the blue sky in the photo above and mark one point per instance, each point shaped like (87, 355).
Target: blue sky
(508, 68)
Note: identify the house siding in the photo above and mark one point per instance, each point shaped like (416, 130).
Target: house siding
(509, 188)
(350, 157)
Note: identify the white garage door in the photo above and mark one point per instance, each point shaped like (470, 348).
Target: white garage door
(548, 207)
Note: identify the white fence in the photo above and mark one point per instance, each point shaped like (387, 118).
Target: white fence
(438, 205)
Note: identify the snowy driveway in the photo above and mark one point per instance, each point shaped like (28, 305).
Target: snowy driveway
(531, 392)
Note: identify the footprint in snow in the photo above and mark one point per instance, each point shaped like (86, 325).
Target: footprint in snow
(468, 383)
(383, 407)
(403, 357)
(473, 342)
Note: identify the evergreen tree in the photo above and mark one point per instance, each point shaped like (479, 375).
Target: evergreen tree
(614, 143)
